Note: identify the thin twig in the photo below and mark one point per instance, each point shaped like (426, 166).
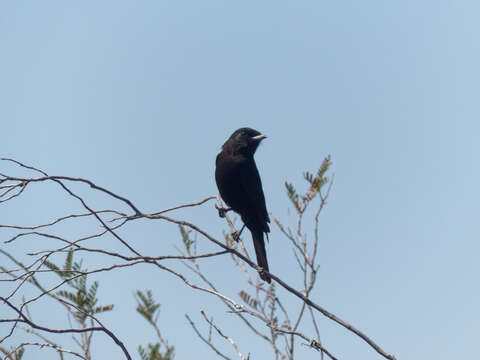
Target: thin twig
(208, 342)
(228, 338)
(24, 319)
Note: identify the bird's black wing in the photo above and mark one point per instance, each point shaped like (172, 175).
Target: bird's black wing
(252, 188)
(256, 217)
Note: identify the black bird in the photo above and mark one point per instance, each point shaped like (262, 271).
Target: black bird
(239, 184)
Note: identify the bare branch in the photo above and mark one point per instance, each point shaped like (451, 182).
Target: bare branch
(48, 345)
(24, 319)
(228, 338)
(206, 341)
(60, 219)
(312, 343)
(14, 186)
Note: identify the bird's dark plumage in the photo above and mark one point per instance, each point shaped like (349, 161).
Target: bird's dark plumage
(239, 184)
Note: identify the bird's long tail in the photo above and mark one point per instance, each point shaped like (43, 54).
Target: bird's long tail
(261, 253)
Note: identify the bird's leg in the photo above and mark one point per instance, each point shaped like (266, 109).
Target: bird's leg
(236, 234)
(264, 275)
(222, 211)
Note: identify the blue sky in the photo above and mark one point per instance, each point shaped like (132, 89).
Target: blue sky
(139, 97)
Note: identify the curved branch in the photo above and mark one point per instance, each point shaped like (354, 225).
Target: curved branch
(138, 214)
(24, 319)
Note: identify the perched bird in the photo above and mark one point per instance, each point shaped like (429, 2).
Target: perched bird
(239, 184)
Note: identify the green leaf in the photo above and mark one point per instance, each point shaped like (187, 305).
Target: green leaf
(293, 196)
(185, 237)
(146, 305)
(68, 260)
(100, 309)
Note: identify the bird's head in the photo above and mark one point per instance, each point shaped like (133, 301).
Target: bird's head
(244, 140)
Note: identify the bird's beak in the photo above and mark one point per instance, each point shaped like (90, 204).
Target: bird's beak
(259, 138)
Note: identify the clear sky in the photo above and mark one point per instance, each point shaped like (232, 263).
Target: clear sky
(138, 96)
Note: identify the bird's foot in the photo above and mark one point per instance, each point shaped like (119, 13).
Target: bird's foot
(236, 235)
(222, 211)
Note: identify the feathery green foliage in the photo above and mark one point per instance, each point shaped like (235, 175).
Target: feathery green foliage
(150, 310)
(146, 306)
(153, 352)
(185, 237)
(317, 181)
(85, 298)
